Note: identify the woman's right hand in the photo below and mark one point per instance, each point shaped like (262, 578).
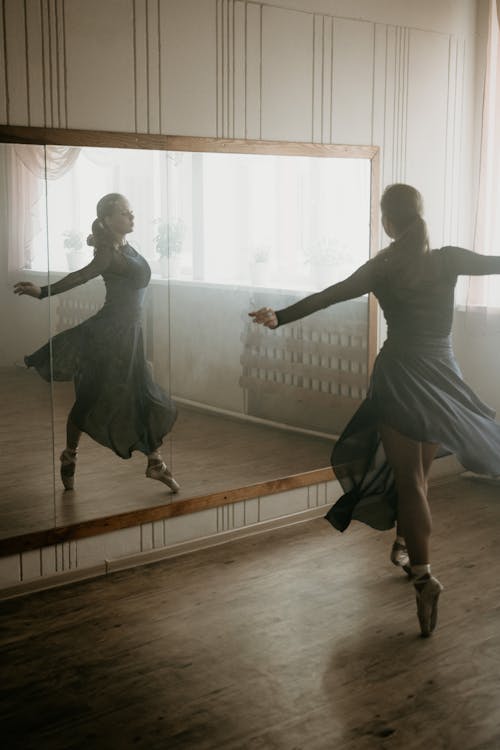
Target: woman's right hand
(265, 316)
(26, 287)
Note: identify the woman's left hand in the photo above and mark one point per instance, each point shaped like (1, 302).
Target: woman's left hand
(26, 287)
(265, 316)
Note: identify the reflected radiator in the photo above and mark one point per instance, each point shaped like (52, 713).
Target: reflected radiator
(313, 372)
(71, 311)
(73, 307)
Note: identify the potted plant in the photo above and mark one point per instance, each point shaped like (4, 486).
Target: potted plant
(169, 241)
(75, 252)
(326, 257)
(259, 265)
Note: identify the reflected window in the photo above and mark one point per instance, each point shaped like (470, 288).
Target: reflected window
(254, 220)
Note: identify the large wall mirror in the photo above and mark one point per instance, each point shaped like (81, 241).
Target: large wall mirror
(227, 227)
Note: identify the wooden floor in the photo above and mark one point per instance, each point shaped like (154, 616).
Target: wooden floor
(208, 454)
(299, 639)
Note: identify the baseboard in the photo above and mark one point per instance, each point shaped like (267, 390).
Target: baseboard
(254, 420)
(51, 582)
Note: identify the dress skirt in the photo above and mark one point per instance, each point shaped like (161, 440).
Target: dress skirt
(117, 402)
(417, 389)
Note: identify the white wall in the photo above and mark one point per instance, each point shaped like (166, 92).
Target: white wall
(395, 73)
(400, 74)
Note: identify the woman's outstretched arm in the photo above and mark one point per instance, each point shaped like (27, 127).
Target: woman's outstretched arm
(359, 283)
(96, 267)
(468, 263)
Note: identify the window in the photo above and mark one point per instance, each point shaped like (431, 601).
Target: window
(294, 222)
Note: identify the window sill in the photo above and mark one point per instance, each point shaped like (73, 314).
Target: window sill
(41, 278)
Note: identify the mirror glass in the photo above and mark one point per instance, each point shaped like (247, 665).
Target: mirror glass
(224, 234)
(26, 403)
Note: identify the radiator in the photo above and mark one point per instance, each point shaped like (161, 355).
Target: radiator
(313, 372)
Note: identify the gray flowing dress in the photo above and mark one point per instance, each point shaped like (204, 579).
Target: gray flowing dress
(416, 387)
(117, 402)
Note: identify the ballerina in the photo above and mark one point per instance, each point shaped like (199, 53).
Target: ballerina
(117, 402)
(418, 405)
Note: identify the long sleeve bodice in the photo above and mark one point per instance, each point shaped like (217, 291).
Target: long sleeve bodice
(124, 264)
(423, 307)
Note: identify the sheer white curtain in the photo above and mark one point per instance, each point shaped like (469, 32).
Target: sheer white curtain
(485, 291)
(28, 167)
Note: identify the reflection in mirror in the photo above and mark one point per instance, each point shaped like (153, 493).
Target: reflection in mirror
(223, 234)
(270, 229)
(26, 424)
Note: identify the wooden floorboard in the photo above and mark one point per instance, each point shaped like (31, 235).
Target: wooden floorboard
(209, 455)
(298, 639)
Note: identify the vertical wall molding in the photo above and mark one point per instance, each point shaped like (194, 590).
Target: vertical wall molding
(400, 104)
(57, 62)
(141, 65)
(219, 51)
(379, 91)
(4, 82)
(46, 85)
(323, 81)
(317, 83)
(161, 63)
(328, 92)
(148, 63)
(134, 51)
(64, 63)
(373, 87)
(253, 70)
(225, 518)
(27, 54)
(226, 62)
(148, 69)
(240, 52)
(45, 63)
(454, 139)
(154, 60)
(390, 121)
(462, 197)
(53, 66)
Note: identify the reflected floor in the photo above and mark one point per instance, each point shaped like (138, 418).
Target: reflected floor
(208, 454)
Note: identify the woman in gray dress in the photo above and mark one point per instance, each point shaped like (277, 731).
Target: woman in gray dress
(417, 405)
(117, 402)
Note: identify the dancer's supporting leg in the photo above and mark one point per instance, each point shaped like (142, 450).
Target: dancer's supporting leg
(429, 451)
(399, 551)
(406, 458)
(157, 469)
(68, 456)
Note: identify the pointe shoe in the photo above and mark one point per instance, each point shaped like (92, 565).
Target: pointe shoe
(159, 471)
(427, 591)
(400, 558)
(68, 468)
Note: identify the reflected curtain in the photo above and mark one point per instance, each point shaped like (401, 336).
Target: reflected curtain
(28, 166)
(481, 289)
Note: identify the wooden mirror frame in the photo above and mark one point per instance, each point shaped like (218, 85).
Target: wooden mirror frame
(108, 139)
